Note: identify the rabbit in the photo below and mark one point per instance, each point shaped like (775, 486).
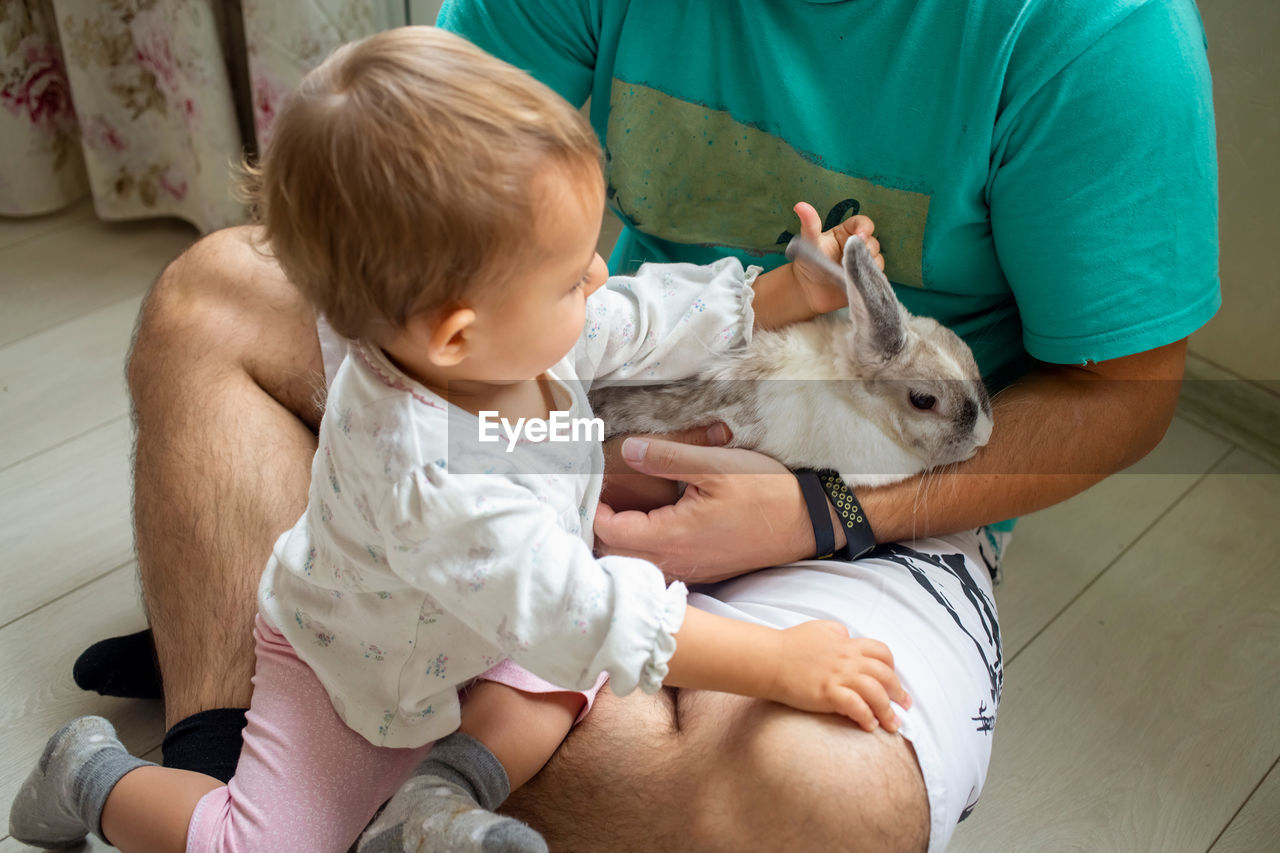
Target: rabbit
(879, 395)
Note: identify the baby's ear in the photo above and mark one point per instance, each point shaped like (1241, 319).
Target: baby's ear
(443, 334)
(879, 320)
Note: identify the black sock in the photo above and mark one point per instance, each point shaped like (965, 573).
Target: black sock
(208, 742)
(120, 666)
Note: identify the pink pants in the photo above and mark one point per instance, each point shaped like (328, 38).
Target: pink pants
(305, 781)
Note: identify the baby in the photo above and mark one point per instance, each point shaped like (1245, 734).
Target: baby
(434, 624)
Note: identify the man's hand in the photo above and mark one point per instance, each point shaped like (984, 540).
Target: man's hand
(740, 511)
(627, 489)
(821, 669)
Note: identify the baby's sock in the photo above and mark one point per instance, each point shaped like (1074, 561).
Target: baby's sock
(61, 801)
(448, 805)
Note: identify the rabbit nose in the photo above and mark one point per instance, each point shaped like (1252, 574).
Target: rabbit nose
(973, 421)
(982, 430)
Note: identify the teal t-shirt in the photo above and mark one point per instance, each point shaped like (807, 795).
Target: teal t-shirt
(1042, 173)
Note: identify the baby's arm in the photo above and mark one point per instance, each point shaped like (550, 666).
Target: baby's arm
(815, 666)
(556, 610)
(668, 320)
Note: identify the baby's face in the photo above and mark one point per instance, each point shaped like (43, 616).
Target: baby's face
(534, 319)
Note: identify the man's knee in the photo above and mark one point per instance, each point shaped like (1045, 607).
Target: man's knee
(784, 779)
(223, 308)
(179, 303)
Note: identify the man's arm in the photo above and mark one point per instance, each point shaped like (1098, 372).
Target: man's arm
(1058, 431)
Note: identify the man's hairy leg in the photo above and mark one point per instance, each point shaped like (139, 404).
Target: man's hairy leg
(227, 387)
(697, 771)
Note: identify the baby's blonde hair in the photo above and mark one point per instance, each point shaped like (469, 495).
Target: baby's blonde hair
(399, 175)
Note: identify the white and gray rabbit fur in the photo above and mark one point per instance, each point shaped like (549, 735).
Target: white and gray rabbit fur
(879, 395)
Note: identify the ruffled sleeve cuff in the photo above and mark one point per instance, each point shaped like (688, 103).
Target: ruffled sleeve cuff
(664, 643)
(748, 297)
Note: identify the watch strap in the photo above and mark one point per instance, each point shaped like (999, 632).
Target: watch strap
(859, 538)
(815, 501)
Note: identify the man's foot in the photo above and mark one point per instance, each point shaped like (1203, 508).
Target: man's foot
(432, 815)
(120, 666)
(61, 801)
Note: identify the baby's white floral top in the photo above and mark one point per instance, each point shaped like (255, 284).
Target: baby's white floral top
(425, 557)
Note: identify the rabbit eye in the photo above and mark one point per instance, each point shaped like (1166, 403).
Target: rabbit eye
(923, 402)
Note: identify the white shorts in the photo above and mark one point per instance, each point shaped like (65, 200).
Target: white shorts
(930, 602)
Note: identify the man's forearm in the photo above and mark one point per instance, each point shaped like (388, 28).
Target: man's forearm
(1058, 431)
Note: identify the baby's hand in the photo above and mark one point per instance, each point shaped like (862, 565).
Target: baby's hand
(820, 292)
(822, 669)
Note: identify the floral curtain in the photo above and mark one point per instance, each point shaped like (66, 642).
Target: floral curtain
(132, 100)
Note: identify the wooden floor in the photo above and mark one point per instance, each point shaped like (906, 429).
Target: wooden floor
(1141, 620)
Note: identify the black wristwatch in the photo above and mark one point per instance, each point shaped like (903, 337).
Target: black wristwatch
(859, 538)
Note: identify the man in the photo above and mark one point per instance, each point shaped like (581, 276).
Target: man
(1043, 180)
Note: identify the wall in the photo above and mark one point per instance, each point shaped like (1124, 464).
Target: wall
(1244, 55)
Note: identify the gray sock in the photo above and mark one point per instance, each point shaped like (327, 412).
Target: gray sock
(61, 801)
(468, 763)
(448, 805)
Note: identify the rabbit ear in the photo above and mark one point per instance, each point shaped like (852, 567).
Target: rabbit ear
(879, 320)
(802, 248)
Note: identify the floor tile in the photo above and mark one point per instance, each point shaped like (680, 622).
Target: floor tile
(67, 518)
(1058, 552)
(66, 381)
(1145, 714)
(58, 276)
(37, 695)
(16, 229)
(1257, 827)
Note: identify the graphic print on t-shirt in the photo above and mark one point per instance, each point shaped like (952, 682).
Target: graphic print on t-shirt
(686, 173)
(986, 638)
